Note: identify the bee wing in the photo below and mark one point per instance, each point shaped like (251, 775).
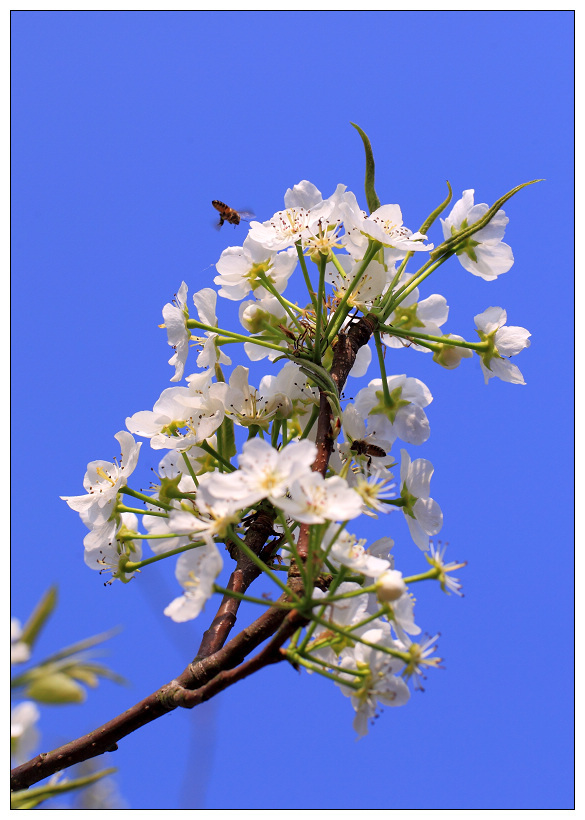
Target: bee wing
(247, 215)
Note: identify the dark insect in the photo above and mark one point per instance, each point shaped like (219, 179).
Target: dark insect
(363, 448)
(227, 214)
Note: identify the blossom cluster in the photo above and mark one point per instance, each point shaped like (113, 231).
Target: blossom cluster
(361, 626)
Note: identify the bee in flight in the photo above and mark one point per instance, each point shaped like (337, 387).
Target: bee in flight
(227, 214)
(364, 448)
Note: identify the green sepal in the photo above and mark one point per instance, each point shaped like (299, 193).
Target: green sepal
(389, 408)
(371, 195)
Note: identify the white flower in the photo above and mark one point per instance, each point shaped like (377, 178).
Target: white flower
(246, 406)
(211, 353)
(503, 341)
(423, 514)
(19, 651)
(283, 230)
(425, 316)
(182, 416)
(383, 225)
(211, 521)
(264, 472)
(402, 416)
(24, 736)
(240, 269)
(380, 685)
(483, 254)
(196, 572)
(175, 317)
(314, 500)
(371, 284)
(348, 551)
(435, 559)
(103, 481)
(106, 550)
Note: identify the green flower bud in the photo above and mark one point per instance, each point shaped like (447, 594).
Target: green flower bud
(55, 687)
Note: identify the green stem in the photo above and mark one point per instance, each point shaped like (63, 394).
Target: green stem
(341, 312)
(239, 337)
(241, 597)
(133, 566)
(268, 285)
(261, 565)
(380, 352)
(308, 283)
(432, 574)
(122, 508)
(205, 445)
(319, 313)
(190, 468)
(295, 659)
(143, 497)
(480, 347)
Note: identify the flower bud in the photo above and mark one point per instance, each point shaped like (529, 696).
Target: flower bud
(449, 356)
(390, 586)
(55, 687)
(280, 403)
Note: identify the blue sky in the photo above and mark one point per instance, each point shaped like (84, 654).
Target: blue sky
(125, 125)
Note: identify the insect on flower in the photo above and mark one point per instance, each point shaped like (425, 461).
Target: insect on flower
(227, 214)
(364, 448)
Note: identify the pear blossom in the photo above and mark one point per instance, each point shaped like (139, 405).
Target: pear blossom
(182, 416)
(371, 284)
(19, 650)
(247, 407)
(435, 559)
(384, 225)
(449, 356)
(240, 268)
(196, 572)
(283, 230)
(503, 341)
(24, 735)
(175, 317)
(381, 684)
(314, 500)
(423, 514)
(483, 254)
(209, 521)
(211, 353)
(350, 552)
(402, 416)
(107, 550)
(103, 481)
(425, 316)
(264, 472)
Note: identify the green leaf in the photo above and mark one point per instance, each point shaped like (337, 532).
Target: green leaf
(39, 617)
(371, 195)
(29, 798)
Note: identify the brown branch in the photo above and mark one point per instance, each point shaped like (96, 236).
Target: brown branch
(344, 353)
(164, 700)
(242, 577)
(217, 666)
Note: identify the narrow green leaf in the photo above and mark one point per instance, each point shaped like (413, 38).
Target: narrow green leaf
(39, 617)
(437, 212)
(371, 195)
